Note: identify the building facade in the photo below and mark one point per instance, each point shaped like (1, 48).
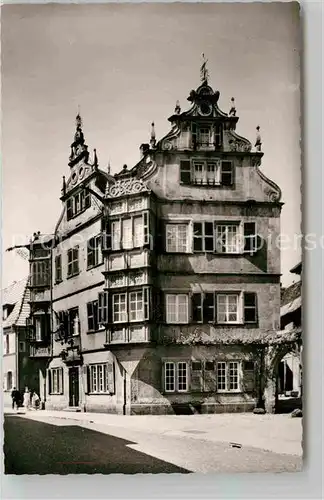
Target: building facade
(163, 277)
(17, 369)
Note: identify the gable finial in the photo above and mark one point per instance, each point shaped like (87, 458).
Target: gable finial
(152, 140)
(108, 167)
(95, 158)
(177, 108)
(204, 74)
(232, 111)
(258, 141)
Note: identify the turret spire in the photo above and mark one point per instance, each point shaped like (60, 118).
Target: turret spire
(204, 74)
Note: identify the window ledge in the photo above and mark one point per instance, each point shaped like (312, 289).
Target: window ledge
(227, 391)
(99, 394)
(91, 332)
(72, 275)
(94, 266)
(57, 282)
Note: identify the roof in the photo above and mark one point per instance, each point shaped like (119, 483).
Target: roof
(291, 299)
(16, 295)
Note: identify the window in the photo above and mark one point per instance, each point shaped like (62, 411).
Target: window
(204, 136)
(9, 381)
(77, 203)
(22, 346)
(250, 307)
(101, 378)
(206, 172)
(228, 376)
(6, 344)
(127, 234)
(38, 328)
(116, 235)
(226, 173)
(92, 309)
(55, 380)
(177, 308)
(177, 238)
(203, 237)
(58, 268)
(176, 376)
(218, 135)
(136, 311)
(228, 308)
(138, 229)
(73, 261)
(68, 322)
(228, 238)
(250, 237)
(185, 171)
(94, 256)
(40, 273)
(119, 308)
(203, 307)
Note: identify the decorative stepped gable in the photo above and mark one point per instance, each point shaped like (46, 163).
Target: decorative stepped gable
(223, 141)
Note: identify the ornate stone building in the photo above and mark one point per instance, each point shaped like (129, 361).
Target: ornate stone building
(164, 276)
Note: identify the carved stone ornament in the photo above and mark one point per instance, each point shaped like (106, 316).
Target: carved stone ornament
(167, 146)
(126, 187)
(239, 144)
(272, 195)
(256, 161)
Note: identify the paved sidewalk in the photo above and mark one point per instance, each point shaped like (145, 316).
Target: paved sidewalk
(277, 433)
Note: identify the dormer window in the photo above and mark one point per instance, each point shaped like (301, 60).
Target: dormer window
(77, 203)
(206, 136)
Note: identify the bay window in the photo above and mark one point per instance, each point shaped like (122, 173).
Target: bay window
(40, 273)
(119, 308)
(126, 233)
(136, 309)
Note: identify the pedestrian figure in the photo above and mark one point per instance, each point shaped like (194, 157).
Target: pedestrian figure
(27, 399)
(35, 401)
(15, 396)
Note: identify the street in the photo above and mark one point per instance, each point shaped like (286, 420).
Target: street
(41, 443)
(32, 447)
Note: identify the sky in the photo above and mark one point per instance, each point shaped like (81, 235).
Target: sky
(125, 66)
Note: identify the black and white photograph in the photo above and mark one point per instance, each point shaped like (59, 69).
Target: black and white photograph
(151, 235)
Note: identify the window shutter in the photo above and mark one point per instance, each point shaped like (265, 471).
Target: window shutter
(249, 376)
(146, 229)
(147, 305)
(111, 378)
(69, 208)
(162, 306)
(193, 135)
(160, 243)
(226, 173)
(215, 305)
(196, 302)
(49, 377)
(62, 380)
(196, 376)
(106, 234)
(87, 199)
(103, 309)
(209, 308)
(185, 171)
(250, 239)
(250, 307)
(86, 378)
(197, 228)
(218, 135)
(209, 377)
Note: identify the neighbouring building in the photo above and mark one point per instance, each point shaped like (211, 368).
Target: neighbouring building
(17, 371)
(163, 277)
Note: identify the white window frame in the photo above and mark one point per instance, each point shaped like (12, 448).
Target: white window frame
(176, 297)
(206, 178)
(202, 135)
(176, 365)
(98, 378)
(122, 314)
(56, 375)
(172, 241)
(227, 366)
(38, 328)
(116, 235)
(136, 297)
(224, 229)
(239, 307)
(138, 238)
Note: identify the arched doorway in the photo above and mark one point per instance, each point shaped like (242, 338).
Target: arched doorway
(283, 389)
